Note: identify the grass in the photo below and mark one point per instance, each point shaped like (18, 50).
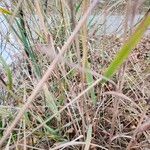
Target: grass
(68, 86)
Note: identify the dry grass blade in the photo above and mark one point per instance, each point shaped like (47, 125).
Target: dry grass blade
(89, 138)
(136, 131)
(124, 97)
(56, 88)
(84, 36)
(78, 143)
(67, 105)
(72, 143)
(64, 145)
(144, 127)
(47, 74)
(39, 13)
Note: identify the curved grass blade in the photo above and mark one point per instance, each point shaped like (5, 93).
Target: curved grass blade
(128, 46)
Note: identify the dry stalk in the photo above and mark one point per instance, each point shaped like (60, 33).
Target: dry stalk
(47, 74)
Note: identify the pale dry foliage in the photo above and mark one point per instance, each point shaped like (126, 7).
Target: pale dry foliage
(57, 100)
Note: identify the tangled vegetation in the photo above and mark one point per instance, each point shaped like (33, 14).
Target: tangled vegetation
(66, 83)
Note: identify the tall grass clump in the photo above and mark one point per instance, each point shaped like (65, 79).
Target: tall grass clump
(70, 82)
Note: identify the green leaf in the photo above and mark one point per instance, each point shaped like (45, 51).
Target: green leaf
(127, 48)
(50, 99)
(90, 81)
(5, 11)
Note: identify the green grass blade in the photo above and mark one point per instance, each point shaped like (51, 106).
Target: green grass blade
(26, 43)
(127, 48)
(90, 81)
(27, 47)
(8, 73)
(5, 11)
(78, 6)
(51, 102)
(51, 130)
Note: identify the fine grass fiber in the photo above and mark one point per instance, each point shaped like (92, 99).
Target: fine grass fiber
(70, 83)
